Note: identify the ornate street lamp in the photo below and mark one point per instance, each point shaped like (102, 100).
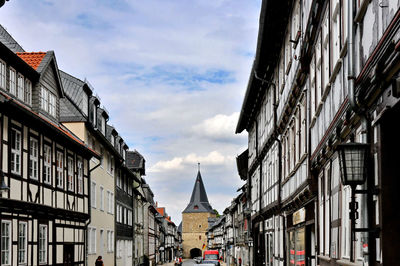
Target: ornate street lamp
(353, 160)
(2, 2)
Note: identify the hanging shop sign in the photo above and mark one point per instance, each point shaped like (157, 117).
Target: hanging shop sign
(299, 216)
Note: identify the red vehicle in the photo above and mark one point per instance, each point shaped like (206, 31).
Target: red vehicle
(211, 255)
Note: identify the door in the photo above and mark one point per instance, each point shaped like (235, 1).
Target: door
(68, 254)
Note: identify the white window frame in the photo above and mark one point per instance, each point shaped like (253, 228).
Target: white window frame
(60, 168)
(52, 104)
(28, 92)
(43, 98)
(20, 87)
(101, 189)
(80, 175)
(12, 81)
(33, 158)
(16, 151)
(24, 248)
(47, 164)
(91, 240)
(8, 238)
(110, 201)
(70, 174)
(42, 258)
(3, 75)
(93, 194)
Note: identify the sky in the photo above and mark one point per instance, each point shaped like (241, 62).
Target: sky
(172, 75)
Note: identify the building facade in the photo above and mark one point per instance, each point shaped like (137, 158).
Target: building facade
(46, 209)
(324, 81)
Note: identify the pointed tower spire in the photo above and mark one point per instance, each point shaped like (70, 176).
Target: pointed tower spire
(199, 200)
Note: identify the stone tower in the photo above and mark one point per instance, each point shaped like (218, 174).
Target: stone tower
(195, 220)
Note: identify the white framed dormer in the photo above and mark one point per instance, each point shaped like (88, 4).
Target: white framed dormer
(3, 75)
(47, 101)
(16, 141)
(12, 79)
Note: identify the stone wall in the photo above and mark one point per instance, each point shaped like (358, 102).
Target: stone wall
(194, 228)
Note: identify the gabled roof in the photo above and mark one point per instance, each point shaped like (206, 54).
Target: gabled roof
(40, 61)
(9, 41)
(273, 22)
(161, 211)
(199, 200)
(34, 59)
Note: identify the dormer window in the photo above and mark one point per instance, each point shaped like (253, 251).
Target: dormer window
(47, 101)
(112, 139)
(13, 83)
(85, 105)
(196, 207)
(2, 75)
(103, 125)
(94, 114)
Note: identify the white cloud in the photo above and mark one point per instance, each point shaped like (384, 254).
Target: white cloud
(213, 158)
(220, 126)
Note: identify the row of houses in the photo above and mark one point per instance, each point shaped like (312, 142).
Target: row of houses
(71, 190)
(320, 110)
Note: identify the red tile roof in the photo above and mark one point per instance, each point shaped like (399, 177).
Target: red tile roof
(161, 211)
(33, 59)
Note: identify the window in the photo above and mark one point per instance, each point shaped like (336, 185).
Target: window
(80, 175)
(22, 242)
(110, 202)
(20, 87)
(335, 27)
(42, 243)
(60, 166)
(85, 105)
(13, 82)
(33, 158)
(47, 164)
(101, 198)
(91, 240)
(119, 178)
(70, 181)
(2, 75)
(93, 194)
(28, 91)
(5, 242)
(15, 151)
(44, 99)
(110, 241)
(103, 125)
(52, 104)
(47, 101)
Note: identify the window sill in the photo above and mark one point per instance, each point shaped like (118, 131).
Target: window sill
(345, 262)
(324, 258)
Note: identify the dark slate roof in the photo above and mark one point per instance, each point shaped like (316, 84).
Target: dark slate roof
(180, 228)
(73, 88)
(199, 200)
(9, 41)
(134, 160)
(148, 194)
(69, 112)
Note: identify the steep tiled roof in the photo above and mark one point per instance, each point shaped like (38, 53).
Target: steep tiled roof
(199, 200)
(33, 59)
(9, 41)
(161, 211)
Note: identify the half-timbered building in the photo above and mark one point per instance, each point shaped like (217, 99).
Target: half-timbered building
(45, 212)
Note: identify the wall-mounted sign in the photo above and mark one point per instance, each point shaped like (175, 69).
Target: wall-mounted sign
(299, 216)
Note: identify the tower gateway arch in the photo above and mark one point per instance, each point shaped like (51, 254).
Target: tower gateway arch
(195, 220)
